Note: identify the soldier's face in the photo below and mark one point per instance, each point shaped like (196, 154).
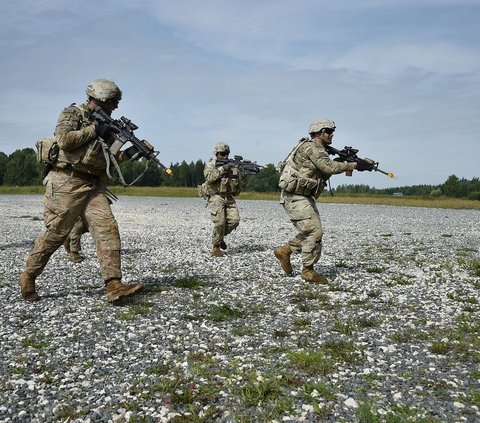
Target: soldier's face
(326, 135)
(223, 155)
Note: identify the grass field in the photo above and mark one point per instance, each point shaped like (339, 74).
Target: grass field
(406, 201)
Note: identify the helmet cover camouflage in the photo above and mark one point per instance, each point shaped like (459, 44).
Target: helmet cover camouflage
(220, 147)
(321, 123)
(104, 90)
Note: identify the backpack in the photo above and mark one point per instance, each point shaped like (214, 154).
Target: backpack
(47, 151)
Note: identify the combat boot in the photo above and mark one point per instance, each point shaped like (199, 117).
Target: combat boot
(223, 246)
(116, 290)
(283, 254)
(27, 287)
(216, 252)
(310, 275)
(75, 256)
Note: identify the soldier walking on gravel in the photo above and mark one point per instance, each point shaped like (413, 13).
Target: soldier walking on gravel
(222, 184)
(75, 187)
(304, 175)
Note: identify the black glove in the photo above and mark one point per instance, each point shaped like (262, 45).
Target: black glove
(102, 130)
(363, 165)
(226, 167)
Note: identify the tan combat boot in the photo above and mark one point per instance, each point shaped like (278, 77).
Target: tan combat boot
(116, 290)
(216, 252)
(283, 254)
(75, 257)
(27, 287)
(310, 275)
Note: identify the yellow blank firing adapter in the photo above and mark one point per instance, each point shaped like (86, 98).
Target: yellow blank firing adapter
(169, 172)
(391, 175)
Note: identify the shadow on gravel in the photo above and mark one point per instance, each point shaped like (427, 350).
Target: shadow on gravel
(247, 249)
(21, 244)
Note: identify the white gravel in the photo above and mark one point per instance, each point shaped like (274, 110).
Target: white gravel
(401, 312)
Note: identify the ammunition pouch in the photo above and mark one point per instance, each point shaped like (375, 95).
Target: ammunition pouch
(293, 183)
(203, 191)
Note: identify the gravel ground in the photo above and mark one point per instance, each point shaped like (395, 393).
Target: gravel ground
(394, 336)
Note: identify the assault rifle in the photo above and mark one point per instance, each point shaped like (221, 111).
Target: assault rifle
(123, 129)
(245, 166)
(349, 154)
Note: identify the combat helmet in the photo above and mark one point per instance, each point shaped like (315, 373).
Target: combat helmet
(104, 90)
(321, 123)
(220, 147)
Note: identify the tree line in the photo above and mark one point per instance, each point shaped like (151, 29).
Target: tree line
(21, 168)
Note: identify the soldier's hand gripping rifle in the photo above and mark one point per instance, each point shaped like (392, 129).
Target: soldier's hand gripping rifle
(123, 129)
(238, 164)
(349, 154)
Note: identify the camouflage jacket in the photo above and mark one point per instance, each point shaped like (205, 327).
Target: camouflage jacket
(80, 147)
(312, 161)
(217, 181)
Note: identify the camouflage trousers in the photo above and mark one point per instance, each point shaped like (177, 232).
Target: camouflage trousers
(67, 198)
(304, 215)
(224, 214)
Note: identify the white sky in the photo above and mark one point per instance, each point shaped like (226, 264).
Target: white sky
(401, 78)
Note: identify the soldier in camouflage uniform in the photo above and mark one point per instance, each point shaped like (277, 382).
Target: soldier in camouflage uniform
(222, 184)
(304, 176)
(75, 187)
(72, 242)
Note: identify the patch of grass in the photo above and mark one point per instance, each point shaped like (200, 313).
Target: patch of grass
(158, 369)
(302, 323)
(374, 293)
(375, 269)
(136, 310)
(313, 362)
(439, 347)
(346, 327)
(280, 333)
(189, 283)
(344, 351)
(31, 342)
(318, 390)
(408, 335)
(223, 312)
(473, 397)
(474, 267)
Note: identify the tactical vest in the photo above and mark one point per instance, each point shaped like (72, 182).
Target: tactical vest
(291, 181)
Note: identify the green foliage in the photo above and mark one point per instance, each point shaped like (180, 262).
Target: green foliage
(264, 181)
(21, 168)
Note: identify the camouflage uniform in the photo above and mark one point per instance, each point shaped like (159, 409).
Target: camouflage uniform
(222, 186)
(75, 188)
(311, 161)
(75, 236)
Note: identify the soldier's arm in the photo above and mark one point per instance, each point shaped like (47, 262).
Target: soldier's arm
(322, 161)
(212, 173)
(66, 133)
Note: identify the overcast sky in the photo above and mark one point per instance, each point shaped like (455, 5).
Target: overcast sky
(401, 78)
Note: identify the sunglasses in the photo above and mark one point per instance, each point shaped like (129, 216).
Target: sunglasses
(329, 130)
(224, 153)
